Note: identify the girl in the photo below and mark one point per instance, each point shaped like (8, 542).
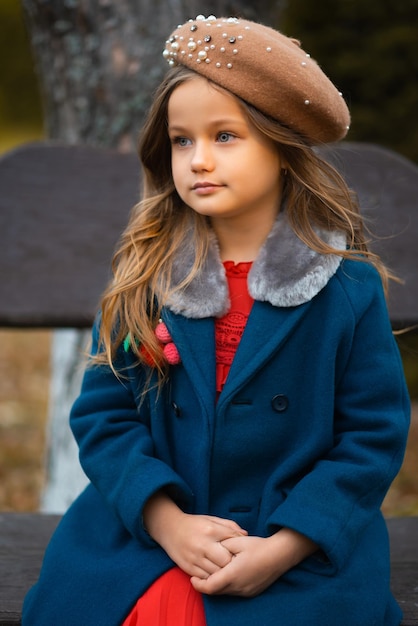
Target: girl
(245, 411)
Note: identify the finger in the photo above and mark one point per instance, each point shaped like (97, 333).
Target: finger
(215, 584)
(234, 545)
(219, 555)
(209, 566)
(211, 562)
(230, 524)
(202, 571)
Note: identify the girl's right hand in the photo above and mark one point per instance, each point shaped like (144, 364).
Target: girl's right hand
(193, 542)
(195, 545)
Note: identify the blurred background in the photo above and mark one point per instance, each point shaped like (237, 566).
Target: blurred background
(368, 49)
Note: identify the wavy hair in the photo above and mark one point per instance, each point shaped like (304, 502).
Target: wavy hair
(314, 192)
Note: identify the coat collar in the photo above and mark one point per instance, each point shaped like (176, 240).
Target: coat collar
(286, 272)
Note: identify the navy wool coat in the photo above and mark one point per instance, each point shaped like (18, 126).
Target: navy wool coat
(308, 433)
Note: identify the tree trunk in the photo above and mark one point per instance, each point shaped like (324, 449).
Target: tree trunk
(98, 63)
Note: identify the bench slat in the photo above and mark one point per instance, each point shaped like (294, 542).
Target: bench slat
(23, 538)
(62, 209)
(404, 561)
(405, 590)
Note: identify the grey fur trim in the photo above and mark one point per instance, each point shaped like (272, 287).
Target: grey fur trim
(286, 273)
(207, 295)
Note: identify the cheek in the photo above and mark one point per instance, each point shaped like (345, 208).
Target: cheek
(178, 164)
(179, 178)
(175, 171)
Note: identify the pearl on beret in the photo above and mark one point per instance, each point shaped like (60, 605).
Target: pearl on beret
(266, 69)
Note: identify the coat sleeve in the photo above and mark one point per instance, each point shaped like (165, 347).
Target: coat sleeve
(343, 491)
(115, 445)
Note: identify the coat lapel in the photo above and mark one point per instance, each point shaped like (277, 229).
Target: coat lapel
(195, 341)
(267, 327)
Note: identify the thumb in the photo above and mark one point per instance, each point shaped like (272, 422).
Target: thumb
(233, 544)
(214, 584)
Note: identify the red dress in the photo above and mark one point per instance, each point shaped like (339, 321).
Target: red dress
(171, 600)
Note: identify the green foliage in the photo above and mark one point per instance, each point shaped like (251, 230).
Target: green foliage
(369, 51)
(19, 94)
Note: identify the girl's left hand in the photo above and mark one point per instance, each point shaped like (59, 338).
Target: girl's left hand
(256, 564)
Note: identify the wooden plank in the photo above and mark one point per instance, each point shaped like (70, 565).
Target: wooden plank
(62, 209)
(405, 590)
(23, 538)
(403, 534)
(386, 184)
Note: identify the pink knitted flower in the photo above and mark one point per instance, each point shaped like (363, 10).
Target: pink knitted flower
(162, 334)
(170, 351)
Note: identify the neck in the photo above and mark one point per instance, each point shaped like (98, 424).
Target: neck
(239, 240)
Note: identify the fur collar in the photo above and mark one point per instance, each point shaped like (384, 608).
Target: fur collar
(286, 273)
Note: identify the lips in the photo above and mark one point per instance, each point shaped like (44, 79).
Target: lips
(204, 185)
(206, 188)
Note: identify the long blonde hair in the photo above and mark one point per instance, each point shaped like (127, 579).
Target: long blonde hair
(314, 192)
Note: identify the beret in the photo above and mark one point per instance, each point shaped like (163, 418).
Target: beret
(266, 69)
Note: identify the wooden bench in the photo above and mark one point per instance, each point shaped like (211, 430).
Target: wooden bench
(61, 210)
(24, 536)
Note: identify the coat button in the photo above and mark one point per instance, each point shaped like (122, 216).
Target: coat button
(279, 403)
(176, 409)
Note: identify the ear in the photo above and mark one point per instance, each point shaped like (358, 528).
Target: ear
(284, 165)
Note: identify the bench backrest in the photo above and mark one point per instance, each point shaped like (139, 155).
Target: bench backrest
(387, 187)
(63, 207)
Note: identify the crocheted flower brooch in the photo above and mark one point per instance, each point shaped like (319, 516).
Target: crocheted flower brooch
(170, 352)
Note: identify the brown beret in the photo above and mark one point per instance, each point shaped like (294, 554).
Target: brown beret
(266, 69)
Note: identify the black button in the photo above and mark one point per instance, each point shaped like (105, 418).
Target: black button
(176, 409)
(279, 403)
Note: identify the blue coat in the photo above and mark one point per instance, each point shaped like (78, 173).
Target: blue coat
(308, 433)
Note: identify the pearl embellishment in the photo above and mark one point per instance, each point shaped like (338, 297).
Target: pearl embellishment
(194, 46)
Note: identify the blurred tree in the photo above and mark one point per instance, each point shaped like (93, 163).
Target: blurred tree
(98, 63)
(369, 50)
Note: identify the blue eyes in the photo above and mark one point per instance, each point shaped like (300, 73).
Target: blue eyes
(183, 142)
(224, 137)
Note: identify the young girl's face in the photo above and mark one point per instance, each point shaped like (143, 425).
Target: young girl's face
(222, 166)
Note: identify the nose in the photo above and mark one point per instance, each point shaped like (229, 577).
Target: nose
(202, 157)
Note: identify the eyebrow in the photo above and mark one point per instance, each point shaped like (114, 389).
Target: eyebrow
(223, 121)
